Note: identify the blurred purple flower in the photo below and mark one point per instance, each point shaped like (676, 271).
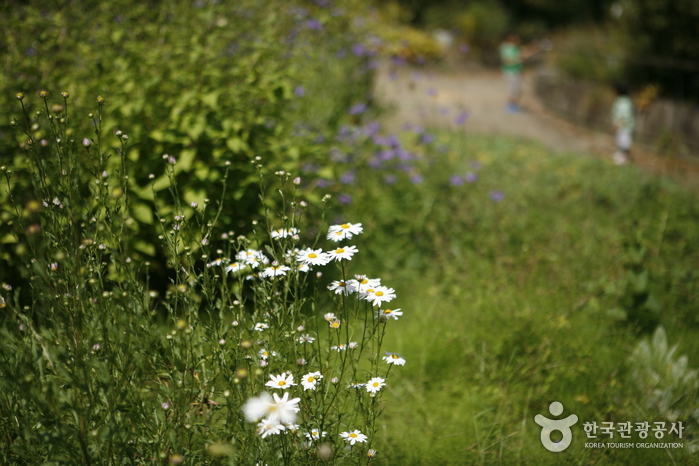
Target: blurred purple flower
(405, 155)
(374, 162)
(471, 177)
(372, 65)
(399, 61)
(359, 50)
(372, 128)
(314, 25)
(417, 178)
(416, 76)
(443, 110)
(299, 91)
(358, 109)
(464, 48)
(386, 155)
(431, 91)
(348, 178)
(323, 182)
(427, 138)
(344, 199)
(456, 180)
(337, 156)
(418, 129)
(461, 118)
(392, 76)
(497, 196)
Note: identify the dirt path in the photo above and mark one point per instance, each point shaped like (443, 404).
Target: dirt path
(435, 97)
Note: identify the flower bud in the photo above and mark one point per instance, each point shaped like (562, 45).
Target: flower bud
(43, 94)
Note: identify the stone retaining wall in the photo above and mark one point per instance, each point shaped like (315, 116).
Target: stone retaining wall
(662, 122)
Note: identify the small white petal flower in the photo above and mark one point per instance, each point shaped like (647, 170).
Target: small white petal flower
(260, 326)
(362, 283)
(315, 434)
(339, 348)
(389, 313)
(267, 427)
(257, 407)
(265, 354)
(375, 384)
(344, 231)
(217, 262)
(340, 287)
(304, 268)
(306, 338)
(355, 385)
(313, 257)
(335, 323)
(353, 437)
(275, 271)
(380, 295)
(284, 410)
(235, 267)
(329, 316)
(282, 381)
(344, 252)
(393, 358)
(310, 380)
(284, 233)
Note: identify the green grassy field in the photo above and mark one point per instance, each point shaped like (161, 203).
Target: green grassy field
(539, 297)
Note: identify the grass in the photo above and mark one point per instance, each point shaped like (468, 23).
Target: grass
(511, 305)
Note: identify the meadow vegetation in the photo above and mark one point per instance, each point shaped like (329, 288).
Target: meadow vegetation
(213, 253)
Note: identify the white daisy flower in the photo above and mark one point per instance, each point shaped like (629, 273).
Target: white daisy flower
(284, 233)
(303, 268)
(340, 287)
(362, 283)
(313, 257)
(393, 358)
(353, 345)
(315, 434)
(329, 316)
(265, 354)
(217, 262)
(344, 231)
(306, 338)
(335, 323)
(267, 427)
(375, 384)
(275, 271)
(257, 407)
(310, 380)
(339, 348)
(283, 410)
(291, 427)
(380, 295)
(355, 385)
(282, 381)
(344, 252)
(260, 326)
(353, 437)
(389, 313)
(235, 267)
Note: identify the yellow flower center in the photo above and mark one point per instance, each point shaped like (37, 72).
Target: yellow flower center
(281, 383)
(311, 379)
(387, 311)
(395, 356)
(344, 225)
(335, 324)
(364, 281)
(312, 255)
(353, 435)
(339, 251)
(379, 293)
(375, 384)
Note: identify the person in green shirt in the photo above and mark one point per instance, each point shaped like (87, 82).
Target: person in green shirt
(623, 123)
(512, 63)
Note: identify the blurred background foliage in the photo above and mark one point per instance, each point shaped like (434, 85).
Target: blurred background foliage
(207, 82)
(642, 42)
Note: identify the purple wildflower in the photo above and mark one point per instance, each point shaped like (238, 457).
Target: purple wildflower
(358, 109)
(427, 138)
(497, 196)
(344, 199)
(417, 178)
(456, 180)
(471, 177)
(359, 50)
(461, 118)
(299, 91)
(348, 178)
(390, 179)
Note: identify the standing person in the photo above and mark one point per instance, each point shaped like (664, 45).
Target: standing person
(512, 63)
(623, 123)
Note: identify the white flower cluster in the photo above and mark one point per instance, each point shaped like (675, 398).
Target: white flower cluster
(275, 414)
